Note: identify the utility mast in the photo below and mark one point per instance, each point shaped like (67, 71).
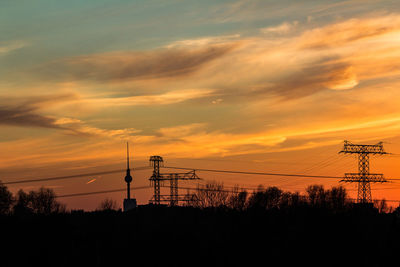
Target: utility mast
(129, 203)
(157, 181)
(363, 177)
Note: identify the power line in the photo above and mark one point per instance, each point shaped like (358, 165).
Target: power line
(264, 173)
(71, 176)
(101, 192)
(320, 163)
(325, 163)
(257, 173)
(137, 188)
(171, 167)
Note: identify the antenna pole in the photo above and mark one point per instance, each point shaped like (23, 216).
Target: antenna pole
(127, 155)
(128, 177)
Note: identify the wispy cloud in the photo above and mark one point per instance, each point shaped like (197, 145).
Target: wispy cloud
(131, 65)
(204, 41)
(24, 111)
(314, 78)
(6, 47)
(349, 31)
(167, 98)
(19, 116)
(77, 127)
(334, 56)
(182, 130)
(283, 28)
(338, 56)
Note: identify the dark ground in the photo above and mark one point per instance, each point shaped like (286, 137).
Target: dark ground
(163, 236)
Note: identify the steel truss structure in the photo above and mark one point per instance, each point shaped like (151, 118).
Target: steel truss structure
(364, 178)
(158, 179)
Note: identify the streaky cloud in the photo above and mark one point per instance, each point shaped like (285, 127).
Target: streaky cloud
(135, 65)
(6, 47)
(171, 97)
(23, 111)
(349, 31)
(26, 117)
(314, 78)
(280, 29)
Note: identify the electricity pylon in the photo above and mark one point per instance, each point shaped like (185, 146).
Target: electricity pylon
(364, 178)
(157, 180)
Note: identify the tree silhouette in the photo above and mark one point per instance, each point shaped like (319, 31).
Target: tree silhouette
(381, 206)
(22, 205)
(108, 204)
(267, 199)
(290, 200)
(42, 201)
(211, 195)
(238, 198)
(396, 211)
(6, 199)
(337, 197)
(316, 195)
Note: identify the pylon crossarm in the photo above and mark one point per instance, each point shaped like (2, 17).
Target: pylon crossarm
(367, 149)
(160, 177)
(357, 177)
(180, 176)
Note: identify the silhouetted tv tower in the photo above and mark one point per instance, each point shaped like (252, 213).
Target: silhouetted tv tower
(363, 177)
(128, 177)
(129, 203)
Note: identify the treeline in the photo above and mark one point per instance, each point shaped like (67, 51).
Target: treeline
(214, 195)
(42, 201)
(210, 195)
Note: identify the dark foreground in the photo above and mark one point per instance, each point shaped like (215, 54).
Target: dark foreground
(162, 236)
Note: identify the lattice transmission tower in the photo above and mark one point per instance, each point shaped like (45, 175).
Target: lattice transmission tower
(157, 181)
(364, 178)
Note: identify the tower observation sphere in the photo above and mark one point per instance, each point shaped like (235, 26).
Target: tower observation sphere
(128, 177)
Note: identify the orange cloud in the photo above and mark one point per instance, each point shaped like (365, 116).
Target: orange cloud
(350, 31)
(22, 111)
(170, 97)
(131, 65)
(283, 28)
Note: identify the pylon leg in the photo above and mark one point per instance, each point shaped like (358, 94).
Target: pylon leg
(174, 191)
(364, 192)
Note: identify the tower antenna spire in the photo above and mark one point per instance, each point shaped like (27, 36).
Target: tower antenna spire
(127, 155)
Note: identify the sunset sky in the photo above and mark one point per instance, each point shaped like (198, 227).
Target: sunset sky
(271, 86)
